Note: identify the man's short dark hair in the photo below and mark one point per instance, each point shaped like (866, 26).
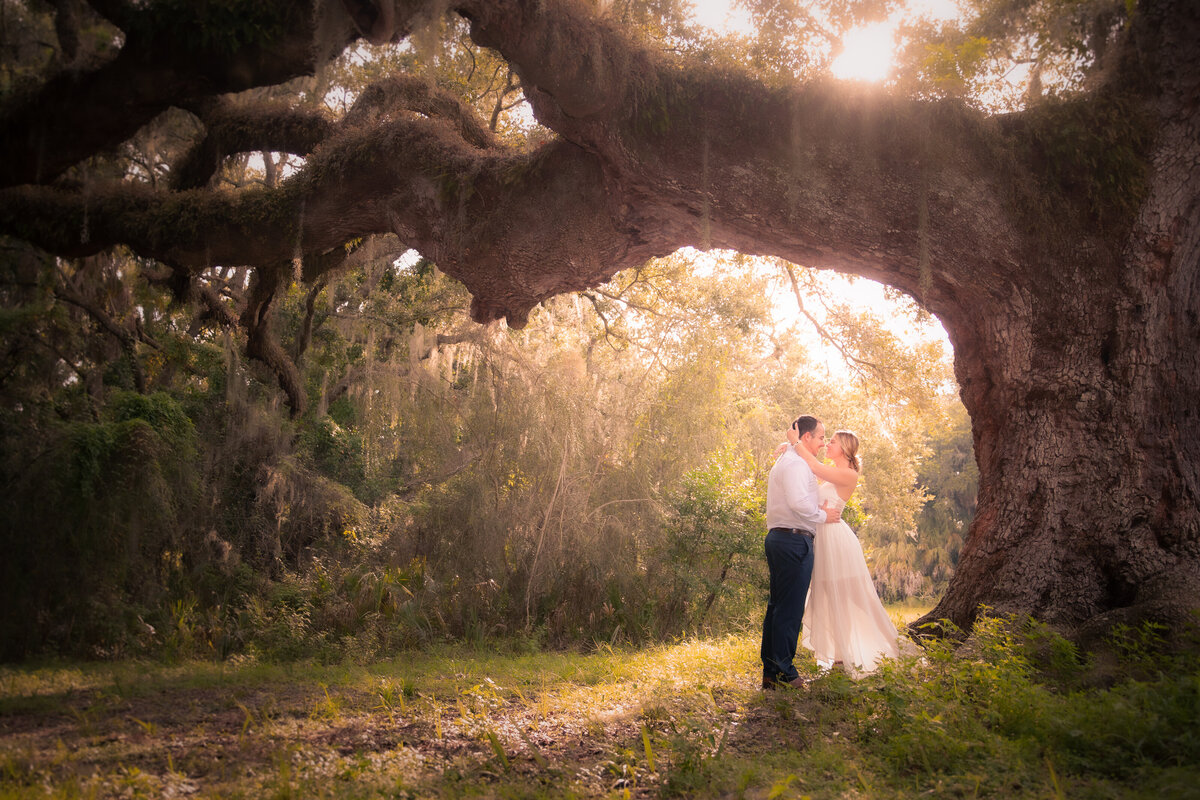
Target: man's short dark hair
(805, 424)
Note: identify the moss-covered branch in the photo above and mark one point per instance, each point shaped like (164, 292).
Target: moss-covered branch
(174, 53)
(233, 129)
(412, 93)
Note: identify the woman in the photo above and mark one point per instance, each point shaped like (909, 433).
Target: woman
(844, 622)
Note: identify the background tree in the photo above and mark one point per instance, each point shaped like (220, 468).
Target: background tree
(950, 479)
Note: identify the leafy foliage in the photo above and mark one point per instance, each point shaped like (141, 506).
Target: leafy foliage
(595, 477)
(950, 478)
(93, 524)
(1005, 54)
(714, 540)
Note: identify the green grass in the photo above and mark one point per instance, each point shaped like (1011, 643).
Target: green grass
(1016, 712)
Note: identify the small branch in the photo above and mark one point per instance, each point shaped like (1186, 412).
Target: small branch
(499, 106)
(310, 310)
(852, 360)
(127, 338)
(409, 489)
(491, 81)
(445, 339)
(351, 377)
(608, 334)
(261, 343)
(597, 509)
(465, 42)
(143, 336)
(619, 298)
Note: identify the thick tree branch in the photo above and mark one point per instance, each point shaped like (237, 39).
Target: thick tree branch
(670, 153)
(724, 154)
(214, 305)
(416, 94)
(237, 129)
(66, 26)
(676, 157)
(231, 129)
(515, 227)
(77, 115)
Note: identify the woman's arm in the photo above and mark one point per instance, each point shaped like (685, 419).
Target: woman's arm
(793, 437)
(838, 476)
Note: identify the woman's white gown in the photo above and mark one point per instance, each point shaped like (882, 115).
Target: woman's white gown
(843, 618)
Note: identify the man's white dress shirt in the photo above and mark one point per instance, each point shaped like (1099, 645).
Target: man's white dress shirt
(792, 494)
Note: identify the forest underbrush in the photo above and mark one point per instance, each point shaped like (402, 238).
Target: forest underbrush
(1014, 711)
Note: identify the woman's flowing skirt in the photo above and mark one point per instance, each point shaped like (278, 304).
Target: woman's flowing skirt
(843, 618)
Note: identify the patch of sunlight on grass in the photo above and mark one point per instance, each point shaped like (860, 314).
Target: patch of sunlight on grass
(620, 685)
(565, 682)
(30, 681)
(907, 611)
(606, 686)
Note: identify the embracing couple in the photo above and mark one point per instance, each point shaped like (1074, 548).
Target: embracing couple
(818, 573)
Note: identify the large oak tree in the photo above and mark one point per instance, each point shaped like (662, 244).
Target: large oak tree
(1059, 245)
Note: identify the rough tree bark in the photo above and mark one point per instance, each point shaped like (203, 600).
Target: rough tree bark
(1069, 290)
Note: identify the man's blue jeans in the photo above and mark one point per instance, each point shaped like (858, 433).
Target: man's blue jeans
(790, 560)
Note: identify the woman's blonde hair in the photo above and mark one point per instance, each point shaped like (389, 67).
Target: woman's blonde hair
(849, 444)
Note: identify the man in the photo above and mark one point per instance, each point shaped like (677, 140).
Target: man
(792, 516)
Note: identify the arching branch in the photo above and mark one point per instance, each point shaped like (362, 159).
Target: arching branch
(683, 155)
(237, 129)
(231, 129)
(412, 93)
(656, 153)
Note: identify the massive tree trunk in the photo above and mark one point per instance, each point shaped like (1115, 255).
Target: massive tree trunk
(1082, 388)
(1059, 247)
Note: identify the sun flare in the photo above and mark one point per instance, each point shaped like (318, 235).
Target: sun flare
(866, 53)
